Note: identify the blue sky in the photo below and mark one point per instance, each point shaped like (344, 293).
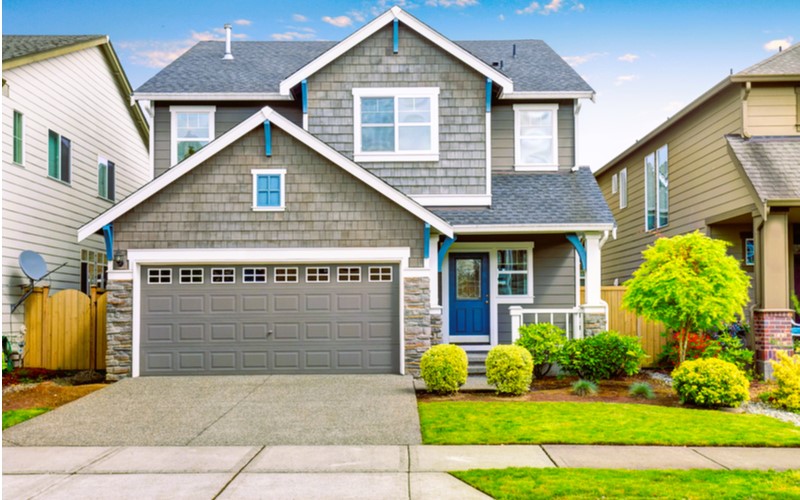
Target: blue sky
(645, 59)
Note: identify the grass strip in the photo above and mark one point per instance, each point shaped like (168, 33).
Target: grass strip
(14, 417)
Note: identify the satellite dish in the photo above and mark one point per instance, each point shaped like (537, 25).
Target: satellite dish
(33, 265)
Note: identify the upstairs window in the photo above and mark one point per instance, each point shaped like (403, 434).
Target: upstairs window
(192, 128)
(535, 136)
(396, 124)
(59, 157)
(106, 172)
(656, 184)
(269, 191)
(19, 138)
(623, 188)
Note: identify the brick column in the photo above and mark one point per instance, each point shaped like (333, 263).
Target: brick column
(119, 329)
(417, 330)
(772, 330)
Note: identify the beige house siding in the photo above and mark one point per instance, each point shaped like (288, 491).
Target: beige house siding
(704, 182)
(76, 96)
(735, 234)
(773, 110)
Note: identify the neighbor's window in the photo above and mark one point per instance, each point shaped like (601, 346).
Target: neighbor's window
(614, 184)
(396, 124)
(535, 136)
(269, 189)
(59, 157)
(512, 272)
(106, 172)
(19, 138)
(623, 188)
(749, 252)
(192, 128)
(656, 180)
(93, 270)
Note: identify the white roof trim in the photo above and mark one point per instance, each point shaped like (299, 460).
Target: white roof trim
(568, 94)
(235, 133)
(210, 96)
(529, 228)
(376, 24)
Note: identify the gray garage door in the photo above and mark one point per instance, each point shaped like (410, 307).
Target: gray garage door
(325, 318)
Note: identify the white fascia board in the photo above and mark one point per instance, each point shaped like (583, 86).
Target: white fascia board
(376, 24)
(213, 96)
(548, 95)
(530, 228)
(453, 200)
(268, 255)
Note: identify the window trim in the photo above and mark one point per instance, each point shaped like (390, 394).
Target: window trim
(623, 188)
(400, 156)
(657, 216)
(268, 171)
(518, 163)
(339, 274)
(110, 173)
(20, 163)
(614, 184)
(60, 160)
(191, 270)
(173, 127)
(528, 272)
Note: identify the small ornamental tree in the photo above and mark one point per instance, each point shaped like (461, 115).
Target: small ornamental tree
(690, 284)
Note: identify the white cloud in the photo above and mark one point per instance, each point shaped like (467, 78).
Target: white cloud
(552, 7)
(673, 107)
(450, 3)
(578, 60)
(243, 22)
(628, 58)
(530, 9)
(358, 16)
(622, 79)
(501, 17)
(304, 34)
(299, 18)
(578, 7)
(339, 21)
(780, 43)
(157, 54)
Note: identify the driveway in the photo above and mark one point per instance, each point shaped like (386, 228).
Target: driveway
(233, 411)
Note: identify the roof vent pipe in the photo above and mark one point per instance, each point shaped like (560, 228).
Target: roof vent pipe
(228, 54)
(514, 51)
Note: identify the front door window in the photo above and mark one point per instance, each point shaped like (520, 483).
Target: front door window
(468, 279)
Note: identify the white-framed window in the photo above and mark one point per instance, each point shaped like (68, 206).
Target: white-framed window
(59, 157)
(18, 154)
(106, 178)
(254, 275)
(269, 189)
(191, 276)
(656, 189)
(318, 274)
(514, 272)
(623, 188)
(192, 128)
(348, 274)
(614, 184)
(286, 274)
(223, 275)
(93, 269)
(396, 124)
(536, 136)
(159, 276)
(380, 273)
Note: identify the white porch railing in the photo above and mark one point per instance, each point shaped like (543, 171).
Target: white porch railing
(570, 319)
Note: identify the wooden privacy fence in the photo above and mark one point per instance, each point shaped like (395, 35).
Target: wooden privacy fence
(65, 331)
(628, 323)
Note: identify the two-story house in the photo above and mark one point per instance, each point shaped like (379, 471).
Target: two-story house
(727, 165)
(73, 145)
(337, 207)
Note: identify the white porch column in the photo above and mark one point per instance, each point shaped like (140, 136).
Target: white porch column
(595, 311)
(516, 321)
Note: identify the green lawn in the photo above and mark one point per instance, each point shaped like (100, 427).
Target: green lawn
(14, 417)
(597, 423)
(603, 483)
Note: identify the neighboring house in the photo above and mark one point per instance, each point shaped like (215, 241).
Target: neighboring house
(325, 207)
(73, 145)
(729, 165)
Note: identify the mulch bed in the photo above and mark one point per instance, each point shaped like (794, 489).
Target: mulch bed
(41, 388)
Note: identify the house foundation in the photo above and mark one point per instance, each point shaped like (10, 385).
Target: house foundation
(772, 330)
(119, 330)
(594, 324)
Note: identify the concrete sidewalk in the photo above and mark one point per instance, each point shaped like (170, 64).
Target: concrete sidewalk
(402, 472)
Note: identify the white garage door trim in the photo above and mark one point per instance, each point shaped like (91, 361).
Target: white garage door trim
(175, 256)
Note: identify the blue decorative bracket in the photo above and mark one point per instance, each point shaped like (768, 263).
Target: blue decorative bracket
(396, 35)
(448, 242)
(576, 242)
(304, 92)
(267, 138)
(426, 236)
(108, 235)
(488, 95)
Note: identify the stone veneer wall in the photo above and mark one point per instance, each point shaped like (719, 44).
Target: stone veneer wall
(418, 333)
(772, 330)
(594, 324)
(119, 330)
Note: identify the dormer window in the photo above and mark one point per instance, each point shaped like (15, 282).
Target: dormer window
(396, 124)
(192, 128)
(535, 137)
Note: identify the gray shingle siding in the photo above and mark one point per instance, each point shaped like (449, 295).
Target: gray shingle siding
(462, 161)
(210, 207)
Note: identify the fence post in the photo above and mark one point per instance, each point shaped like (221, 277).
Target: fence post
(93, 327)
(516, 321)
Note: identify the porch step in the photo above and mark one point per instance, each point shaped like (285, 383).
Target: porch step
(477, 363)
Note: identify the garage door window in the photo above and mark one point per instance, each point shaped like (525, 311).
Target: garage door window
(318, 274)
(159, 276)
(380, 274)
(223, 275)
(349, 274)
(192, 276)
(254, 275)
(286, 275)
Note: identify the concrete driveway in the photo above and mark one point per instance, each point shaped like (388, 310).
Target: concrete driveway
(233, 411)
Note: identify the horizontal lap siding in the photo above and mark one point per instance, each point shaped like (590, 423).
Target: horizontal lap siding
(210, 207)
(704, 182)
(503, 136)
(735, 234)
(772, 110)
(461, 168)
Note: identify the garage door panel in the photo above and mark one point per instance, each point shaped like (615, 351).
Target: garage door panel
(158, 304)
(349, 302)
(286, 303)
(191, 304)
(223, 332)
(319, 360)
(349, 330)
(318, 331)
(255, 332)
(255, 360)
(255, 303)
(379, 302)
(286, 331)
(191, 333)
(286, 360)
(158, 333)
(223, 361)
(318, 303)
(380, 330)
(349, 359)
(223, 304)
(191, 361)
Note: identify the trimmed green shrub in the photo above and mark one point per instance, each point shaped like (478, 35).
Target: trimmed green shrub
(444, 368)
(584, 388)
(510, 369)
(710, 383)
(787, 374)
(544, 342)
(642, 390)
(603, 356)
(731, 349)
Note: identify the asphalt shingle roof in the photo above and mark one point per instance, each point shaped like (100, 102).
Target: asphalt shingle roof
(537, 198)
(259, 67)
(771, 163)
(786, 62)
(15, 46)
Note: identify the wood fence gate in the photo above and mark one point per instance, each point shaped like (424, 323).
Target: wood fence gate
(66, 331)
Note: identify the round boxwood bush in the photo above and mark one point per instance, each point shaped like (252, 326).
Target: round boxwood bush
(510, 369)
(544, 342)
(444, 368)
(710, 383)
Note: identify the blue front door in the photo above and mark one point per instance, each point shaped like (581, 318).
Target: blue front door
(469, 297)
